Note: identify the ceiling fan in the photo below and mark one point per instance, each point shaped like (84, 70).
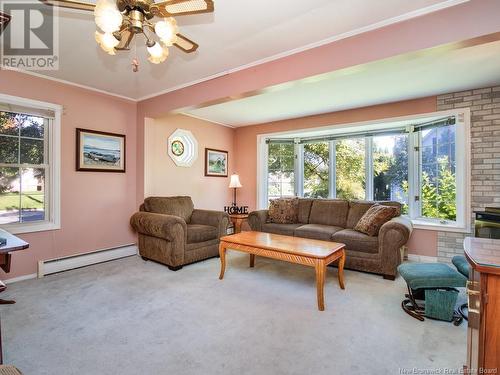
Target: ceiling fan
(4, 21)
(121, 20)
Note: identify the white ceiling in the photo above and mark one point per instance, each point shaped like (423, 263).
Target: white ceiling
(431, 72)
(240, 32)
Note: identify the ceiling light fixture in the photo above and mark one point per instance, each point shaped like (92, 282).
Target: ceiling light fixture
(119, 21)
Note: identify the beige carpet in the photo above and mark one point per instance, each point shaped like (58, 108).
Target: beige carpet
(135, 317)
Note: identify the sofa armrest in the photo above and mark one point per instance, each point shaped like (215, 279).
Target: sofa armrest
(392, 236)
(256, 219)
(167, 227)
(217, 219)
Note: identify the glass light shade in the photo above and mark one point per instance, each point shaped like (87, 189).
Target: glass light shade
(107, 16)
(157, 53)
(107, 42)
(167, 31)
(235, 181)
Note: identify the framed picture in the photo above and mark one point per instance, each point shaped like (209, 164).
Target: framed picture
(216, 162)
(99, 151)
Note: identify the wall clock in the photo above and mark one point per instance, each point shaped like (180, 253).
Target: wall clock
(183, 148)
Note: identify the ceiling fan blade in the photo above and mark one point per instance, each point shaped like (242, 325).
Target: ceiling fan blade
(4, 21)
(127, 37)
(81, 5)
(185, 44)
(181, 7)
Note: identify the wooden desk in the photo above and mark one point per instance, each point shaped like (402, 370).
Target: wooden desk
(13, 244)
(483, 290)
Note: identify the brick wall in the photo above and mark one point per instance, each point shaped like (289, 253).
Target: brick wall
(485, 156)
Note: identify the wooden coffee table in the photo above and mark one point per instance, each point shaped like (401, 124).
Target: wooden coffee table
(313, 253)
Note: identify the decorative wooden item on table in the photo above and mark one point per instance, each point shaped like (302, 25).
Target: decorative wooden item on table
(483, 290)
(312, 253)
(216, 162)
(98, 151)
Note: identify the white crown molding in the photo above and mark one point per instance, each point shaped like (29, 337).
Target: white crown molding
(206, 120)
(361, 30)
(69, 83)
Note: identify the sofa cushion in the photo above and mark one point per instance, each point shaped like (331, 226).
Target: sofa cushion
(283, 211)
(199, 233)
(329, 212)
(358, 208)
(374, 218)
(285, 229)
(304, 210)
(317, 231)
(356, 241)
(177, 206)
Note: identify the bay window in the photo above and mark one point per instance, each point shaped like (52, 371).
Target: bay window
(413, 161)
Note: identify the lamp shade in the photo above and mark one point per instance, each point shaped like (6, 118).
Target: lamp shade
(235, 181)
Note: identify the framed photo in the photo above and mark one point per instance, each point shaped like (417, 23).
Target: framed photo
(216, 162)
(99, 151)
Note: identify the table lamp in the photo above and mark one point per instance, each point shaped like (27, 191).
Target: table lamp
(235, 184)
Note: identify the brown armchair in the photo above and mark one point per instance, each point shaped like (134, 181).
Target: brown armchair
(172, 232)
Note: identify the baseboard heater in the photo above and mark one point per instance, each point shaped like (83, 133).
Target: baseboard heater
(50, 266)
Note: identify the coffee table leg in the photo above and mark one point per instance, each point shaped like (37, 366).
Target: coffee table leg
(320, 283)
(222, 253)
(252, 260)
(341, 270)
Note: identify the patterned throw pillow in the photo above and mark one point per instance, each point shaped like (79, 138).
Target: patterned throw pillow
(373, 219)
(283, 211)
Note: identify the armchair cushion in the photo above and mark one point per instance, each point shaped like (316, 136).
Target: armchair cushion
(199, 233)
(157, 225)
(217, 219)
(175, 206)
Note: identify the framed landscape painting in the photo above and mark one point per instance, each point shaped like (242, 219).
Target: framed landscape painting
(99, 151)
(216, 162)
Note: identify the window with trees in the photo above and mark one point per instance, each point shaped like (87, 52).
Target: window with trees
(27, 173)
(281, 170)
(416, 165)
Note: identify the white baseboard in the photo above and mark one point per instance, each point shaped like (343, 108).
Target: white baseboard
(20, 278)
(50, 266)
(422, 258)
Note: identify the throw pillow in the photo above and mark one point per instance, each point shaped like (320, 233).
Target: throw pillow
(283, 211)
(373, 219)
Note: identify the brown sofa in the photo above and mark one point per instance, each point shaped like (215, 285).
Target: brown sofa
(334, 220)
(172, 232)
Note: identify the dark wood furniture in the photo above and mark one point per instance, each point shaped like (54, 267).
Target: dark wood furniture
(238, 220)
(13, 244)
(312, 253)
(483, 290)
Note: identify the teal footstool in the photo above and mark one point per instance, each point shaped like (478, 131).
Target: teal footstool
(434, 286)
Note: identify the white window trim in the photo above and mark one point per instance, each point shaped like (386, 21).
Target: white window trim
(53, 222)
(463, 176)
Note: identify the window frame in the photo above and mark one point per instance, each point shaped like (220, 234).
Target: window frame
(53, 166)
(462, 160)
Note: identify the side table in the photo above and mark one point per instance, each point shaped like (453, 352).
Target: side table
(237, 220)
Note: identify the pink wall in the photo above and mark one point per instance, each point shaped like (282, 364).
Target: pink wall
(164, 178)
(95, 207)
(476, 18)
(245, 142)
